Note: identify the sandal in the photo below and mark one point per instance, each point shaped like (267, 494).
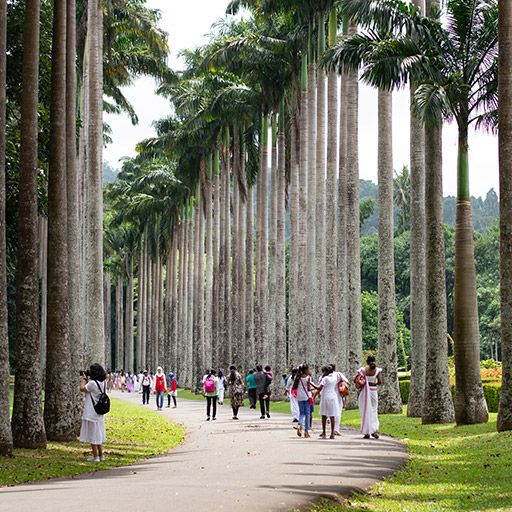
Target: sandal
(323, 436)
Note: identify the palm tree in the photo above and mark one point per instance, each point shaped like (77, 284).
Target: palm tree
(331, 292)
(59, 423)
(73, 231)
(417, 257)
(504, 421)
(5, 425)
(95, 340)
(389, 396)
(401, 197)
(27, 414)
(438, 403)
(456, 68)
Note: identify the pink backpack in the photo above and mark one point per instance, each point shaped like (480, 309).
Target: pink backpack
(209, 385)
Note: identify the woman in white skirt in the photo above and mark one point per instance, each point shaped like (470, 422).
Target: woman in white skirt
(93, 424)
(329, 403)
(367, 379)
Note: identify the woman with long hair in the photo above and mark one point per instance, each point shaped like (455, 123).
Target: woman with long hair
(367, 379)
(301, 388)
(92, 430)
(236, 389)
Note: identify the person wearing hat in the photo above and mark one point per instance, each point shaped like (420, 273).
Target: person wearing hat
(146, 387)
(160, 387)
(173, 390)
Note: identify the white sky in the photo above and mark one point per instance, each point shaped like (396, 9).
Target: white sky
(187, 23)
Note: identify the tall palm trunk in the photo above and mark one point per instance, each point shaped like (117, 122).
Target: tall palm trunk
(216, 263)
(355, 344)
(107, 304)
(95, 349)
(310, 349)
(302, 240)
(174, 300)
(389, 393)
(261, 315)
(323, 352)
(235, 302)
(160, 305)
(250, 352)
(27, 414)
(75, 307)
(43, 288)
(128, 354)
(142, 320)
(182, 299)
(342, 281)
(119, 324)
(6, 445)
(438, 404)
(208, 312)
(227, 258)
(272, 292)
(242, 359)
(200, 293)
(331, 278)
(504, 421)
(221, 341)
(190, 301)
(417, 263)
(139, 364)
(280, 261)
(470, 404)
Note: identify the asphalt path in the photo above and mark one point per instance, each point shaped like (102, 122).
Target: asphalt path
(250, 465)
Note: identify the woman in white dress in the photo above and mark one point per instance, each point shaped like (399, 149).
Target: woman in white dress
(93, 424)
(329, 402)
(368, 397)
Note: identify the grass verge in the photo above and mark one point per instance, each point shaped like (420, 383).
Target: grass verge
(451, 468)
(133, 434)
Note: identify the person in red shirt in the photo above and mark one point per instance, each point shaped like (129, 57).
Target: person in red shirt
(160, 388)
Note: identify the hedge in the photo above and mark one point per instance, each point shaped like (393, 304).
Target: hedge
(492, 391)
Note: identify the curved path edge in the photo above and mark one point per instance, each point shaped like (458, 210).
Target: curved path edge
(246, 464)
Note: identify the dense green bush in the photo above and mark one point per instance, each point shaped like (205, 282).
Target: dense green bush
(492, 391)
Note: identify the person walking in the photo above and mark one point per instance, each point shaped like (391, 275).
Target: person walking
(251, 389)
(236, 389)
(302, 387)
(173, 391)
(160, 388)
(294, 405)
(223, 383)
(337, 418)
(211, 392)
(329, 404)
(146, 387)
(92, 429)
(262, 380)
(366, 380)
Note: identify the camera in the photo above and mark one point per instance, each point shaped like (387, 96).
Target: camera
(84, 373)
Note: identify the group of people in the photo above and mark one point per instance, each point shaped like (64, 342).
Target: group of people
(146, 383)
(258, 380)
(332, 387)
(331, 390)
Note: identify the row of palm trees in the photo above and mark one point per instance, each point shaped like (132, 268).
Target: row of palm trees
(71, 289)
(260, 79)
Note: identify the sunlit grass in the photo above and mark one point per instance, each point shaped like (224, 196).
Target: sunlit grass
(450, 469)
(133, 434)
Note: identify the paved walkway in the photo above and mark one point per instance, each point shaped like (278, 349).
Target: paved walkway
(224, 465)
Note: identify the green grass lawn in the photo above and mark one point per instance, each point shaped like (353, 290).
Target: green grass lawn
(133, 434)
(450, 469)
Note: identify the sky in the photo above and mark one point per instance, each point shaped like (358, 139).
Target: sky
(188, 24)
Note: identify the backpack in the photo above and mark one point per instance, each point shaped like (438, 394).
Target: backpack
(102, 406)
(209, 385)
